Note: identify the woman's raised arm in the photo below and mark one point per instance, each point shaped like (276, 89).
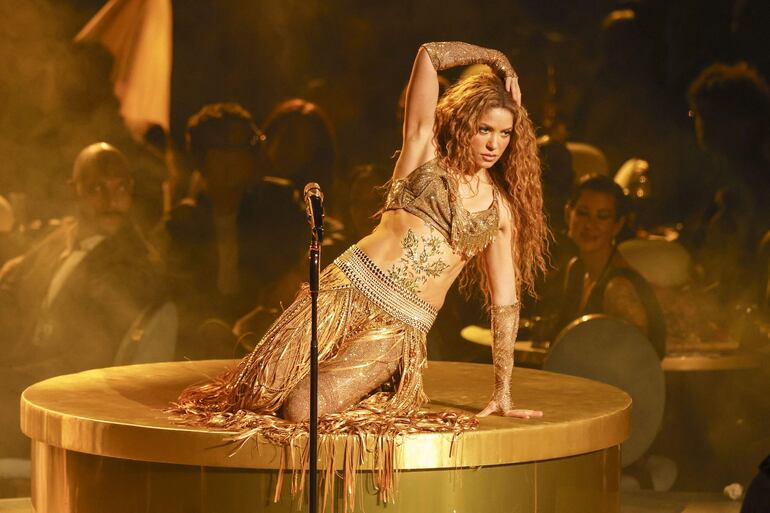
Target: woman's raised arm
(422, 95)
(419, 115)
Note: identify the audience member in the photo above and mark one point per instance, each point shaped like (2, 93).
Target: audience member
(300, 144)
(599, 280)
(757, 498)
(626, 113)
(68, 303)
(79, 107)
(622, 92)
(231, 243)
(731, 108)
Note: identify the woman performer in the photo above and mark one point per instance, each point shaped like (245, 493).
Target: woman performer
(465, 192)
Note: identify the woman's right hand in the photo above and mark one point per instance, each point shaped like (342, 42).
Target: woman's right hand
(447, 54)
(502, 66)
(512, 86)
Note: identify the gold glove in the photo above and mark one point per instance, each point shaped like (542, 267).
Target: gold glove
(445, 55)
(505, 326)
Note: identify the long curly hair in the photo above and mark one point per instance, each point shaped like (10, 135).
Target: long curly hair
(516, 174)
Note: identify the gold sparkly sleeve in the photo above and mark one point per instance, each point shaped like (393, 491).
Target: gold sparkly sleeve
(448, 54)
(505, 326)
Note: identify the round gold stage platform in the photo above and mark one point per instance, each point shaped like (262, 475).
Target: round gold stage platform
(101, 442)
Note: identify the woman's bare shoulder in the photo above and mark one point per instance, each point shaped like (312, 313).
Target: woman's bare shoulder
(619, 286)
(622, 300)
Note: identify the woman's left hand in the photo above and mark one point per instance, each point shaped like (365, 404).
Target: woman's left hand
(512, 86)
(493, 407)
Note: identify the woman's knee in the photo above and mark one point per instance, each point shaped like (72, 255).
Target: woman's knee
(296, 408)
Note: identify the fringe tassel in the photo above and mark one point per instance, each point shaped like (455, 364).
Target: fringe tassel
(245, 399)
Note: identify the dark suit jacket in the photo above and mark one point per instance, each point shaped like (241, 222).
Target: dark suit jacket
(96, 305)
(272, 234)
(86, 321)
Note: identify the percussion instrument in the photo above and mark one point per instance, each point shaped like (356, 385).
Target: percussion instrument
(587, 159)
(662, 263)
(615, 352)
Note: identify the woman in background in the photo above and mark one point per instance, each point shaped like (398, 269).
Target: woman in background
(299, 141)
(599, 280)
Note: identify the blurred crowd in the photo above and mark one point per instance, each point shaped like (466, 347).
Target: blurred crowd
(656, 174)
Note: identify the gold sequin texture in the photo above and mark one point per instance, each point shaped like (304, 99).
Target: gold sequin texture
(420, 260)
(431, 194)
(372, 282)
(505, 327)
(448, 54)
(371, 332)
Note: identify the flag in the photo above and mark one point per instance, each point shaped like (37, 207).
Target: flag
(138, 35)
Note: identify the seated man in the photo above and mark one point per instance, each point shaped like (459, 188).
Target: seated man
(730, 105)
(68, 303)
(239, 237)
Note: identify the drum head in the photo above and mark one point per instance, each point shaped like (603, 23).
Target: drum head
(615, 352)
(663, 263)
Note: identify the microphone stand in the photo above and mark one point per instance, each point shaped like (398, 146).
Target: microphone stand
(315, 273)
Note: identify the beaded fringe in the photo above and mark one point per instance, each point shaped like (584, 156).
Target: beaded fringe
(246, 399)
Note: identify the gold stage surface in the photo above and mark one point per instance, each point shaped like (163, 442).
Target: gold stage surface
(101, 442)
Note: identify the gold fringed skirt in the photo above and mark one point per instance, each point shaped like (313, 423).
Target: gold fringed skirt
(371, 350)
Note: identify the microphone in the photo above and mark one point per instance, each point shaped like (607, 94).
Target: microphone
(314, 207)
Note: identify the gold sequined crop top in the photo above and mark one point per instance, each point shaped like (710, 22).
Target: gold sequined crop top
(428, 193)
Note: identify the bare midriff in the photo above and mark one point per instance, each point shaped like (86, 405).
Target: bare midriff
(414, 254)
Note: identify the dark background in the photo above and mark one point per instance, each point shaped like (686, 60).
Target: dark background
(351, 57)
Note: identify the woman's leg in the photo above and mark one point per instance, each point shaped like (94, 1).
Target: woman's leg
(362, 365)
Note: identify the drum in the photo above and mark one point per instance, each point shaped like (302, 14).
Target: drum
(663, 263)
(615, 352)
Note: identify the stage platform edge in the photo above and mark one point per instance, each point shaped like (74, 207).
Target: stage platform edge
(101, 442)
